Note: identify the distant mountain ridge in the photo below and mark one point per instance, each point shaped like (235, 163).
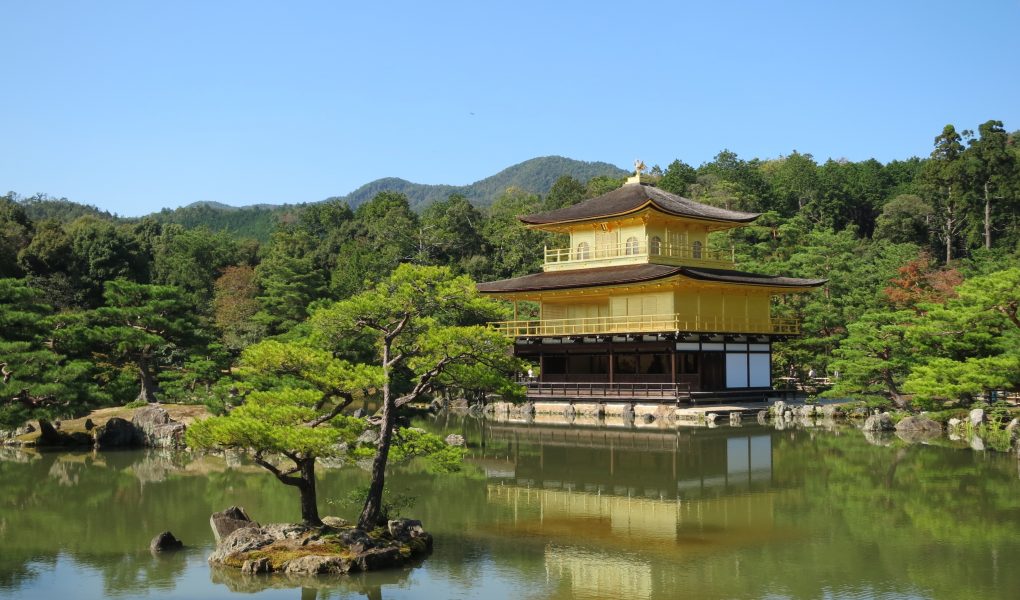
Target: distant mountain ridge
(536, 176)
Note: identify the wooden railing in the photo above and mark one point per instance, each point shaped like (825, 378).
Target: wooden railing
(644, 324)
(604, 390)
(644, 248)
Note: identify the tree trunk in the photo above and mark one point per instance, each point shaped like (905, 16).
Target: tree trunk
(309, 504)
(988, 219)
(148, 390)
(890, 385)
(373, 503)
(949, 226)
(949, 238)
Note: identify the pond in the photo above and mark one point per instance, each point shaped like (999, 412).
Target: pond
(546, 511)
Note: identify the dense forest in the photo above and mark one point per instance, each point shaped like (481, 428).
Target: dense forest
(921, 257)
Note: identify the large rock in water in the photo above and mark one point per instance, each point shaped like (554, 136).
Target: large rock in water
(48, 435)
(240, 541)
(882, 422)
(918, 429)
(165, 542)
(977, 417)
(919, 424)
(778, 408)
(116, 433)
(317, 565)
(228, 521)
(156, 429)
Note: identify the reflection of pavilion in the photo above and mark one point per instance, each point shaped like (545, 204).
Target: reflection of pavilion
(599, 575)
(612, 504)
(685, 464)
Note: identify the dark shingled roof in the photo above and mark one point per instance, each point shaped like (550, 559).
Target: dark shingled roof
(632, 197)
(581, 278)
(728, 276)
(578, 278)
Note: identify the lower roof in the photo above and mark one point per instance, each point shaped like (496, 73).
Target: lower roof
(629, 274)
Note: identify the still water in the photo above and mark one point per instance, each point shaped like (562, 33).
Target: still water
(544, 511)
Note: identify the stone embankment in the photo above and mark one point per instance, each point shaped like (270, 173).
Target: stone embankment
(878, 427)
(611, 413)
(336, 548)
(149, 427)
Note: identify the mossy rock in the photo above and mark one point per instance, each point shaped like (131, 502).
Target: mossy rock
(326, 551)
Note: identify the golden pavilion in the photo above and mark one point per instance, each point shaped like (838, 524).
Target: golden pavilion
(638, 306)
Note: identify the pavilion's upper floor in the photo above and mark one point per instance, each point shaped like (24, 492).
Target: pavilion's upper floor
(637, 224)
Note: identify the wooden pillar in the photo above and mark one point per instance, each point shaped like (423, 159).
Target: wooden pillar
(672, 361)
(515, 310)
(541, 366)
(611, 361)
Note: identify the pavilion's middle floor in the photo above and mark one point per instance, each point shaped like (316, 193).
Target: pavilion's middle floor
(700, 363)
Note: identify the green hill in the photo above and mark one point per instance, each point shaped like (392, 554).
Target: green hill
(536, 176)
(41, 208)
(249, 221)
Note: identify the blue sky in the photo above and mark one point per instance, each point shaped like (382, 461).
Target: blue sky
(135, 106)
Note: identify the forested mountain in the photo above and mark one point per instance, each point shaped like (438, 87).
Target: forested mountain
(41, 207)
(255, 222)
(535, 176)
(921, 258)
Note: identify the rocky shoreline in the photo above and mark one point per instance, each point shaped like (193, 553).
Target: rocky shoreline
(975, 428)
(149, 427)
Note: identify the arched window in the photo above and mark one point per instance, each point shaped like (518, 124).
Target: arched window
(632, 246)
(696, 249)
(655, 246)
(583, 251)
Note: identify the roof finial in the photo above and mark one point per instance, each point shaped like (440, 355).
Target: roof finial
(639, 173)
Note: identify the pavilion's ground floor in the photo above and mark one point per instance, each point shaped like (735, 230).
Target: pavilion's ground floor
(649, 367)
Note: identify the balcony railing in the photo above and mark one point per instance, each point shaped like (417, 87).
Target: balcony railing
(689, 253)
(607, 391)
(644, 324)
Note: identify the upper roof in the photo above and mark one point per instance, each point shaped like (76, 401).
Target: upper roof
(581, 278)
(633, 197)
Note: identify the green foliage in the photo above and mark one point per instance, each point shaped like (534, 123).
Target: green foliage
(411, 442)
(567, 191)
(148, 328)
(451, 235)
(679, 176)
(516, 250)
(15, 228)
(423, 324)
(256, 222)
(288, 280)
(41, 379)
(875, 356)
(393, 505)
(192, 259)
(905, 219)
